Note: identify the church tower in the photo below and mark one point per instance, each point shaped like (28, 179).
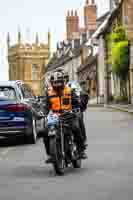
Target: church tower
(27, 61)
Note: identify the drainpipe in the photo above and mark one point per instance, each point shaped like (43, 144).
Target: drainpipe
(129, 78)
(106, 74)
(97, 86)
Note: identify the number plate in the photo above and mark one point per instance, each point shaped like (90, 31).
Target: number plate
(51, 133)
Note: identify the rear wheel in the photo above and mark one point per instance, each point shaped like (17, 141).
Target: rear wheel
(55, 152)
(33, 136)
(77, 161)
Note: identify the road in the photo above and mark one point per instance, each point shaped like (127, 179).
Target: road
(107, 174)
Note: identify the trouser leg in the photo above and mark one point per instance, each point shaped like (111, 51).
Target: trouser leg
(82, 125)
(77, 133)
(46, 140)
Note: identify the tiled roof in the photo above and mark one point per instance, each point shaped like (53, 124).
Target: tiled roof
(103, 28)
(56, 61)
(89, 61)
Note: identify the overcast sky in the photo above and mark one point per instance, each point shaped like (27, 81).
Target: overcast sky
(36, 16)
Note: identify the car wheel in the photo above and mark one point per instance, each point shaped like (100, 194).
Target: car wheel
(33, 136)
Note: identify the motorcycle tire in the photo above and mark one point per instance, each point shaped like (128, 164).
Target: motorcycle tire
(55, 152)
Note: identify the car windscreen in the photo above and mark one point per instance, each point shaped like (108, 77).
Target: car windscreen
(7, 93)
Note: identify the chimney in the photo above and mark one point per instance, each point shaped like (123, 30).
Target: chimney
(72, 24)
(90, 15)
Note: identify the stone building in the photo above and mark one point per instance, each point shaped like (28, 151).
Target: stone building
(87, 72)
(27, 62)
(71, 52)
(121, 14)
(67, 57)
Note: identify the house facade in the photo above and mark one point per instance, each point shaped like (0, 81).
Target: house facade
(120, 15)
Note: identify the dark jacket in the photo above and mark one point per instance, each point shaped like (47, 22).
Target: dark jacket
(84, 97)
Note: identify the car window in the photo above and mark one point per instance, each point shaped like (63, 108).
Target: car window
(26, 91)
(7, 92)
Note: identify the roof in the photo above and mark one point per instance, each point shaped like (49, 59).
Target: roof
(108, 21)
(56, 62)
(89, 61)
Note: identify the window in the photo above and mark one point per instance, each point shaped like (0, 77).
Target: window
(34, 72)
(8, 93)
(26, 91)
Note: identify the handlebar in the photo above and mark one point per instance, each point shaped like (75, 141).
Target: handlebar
(65, 112)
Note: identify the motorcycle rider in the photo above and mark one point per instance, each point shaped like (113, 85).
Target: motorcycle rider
(83, 95)
(60, 97)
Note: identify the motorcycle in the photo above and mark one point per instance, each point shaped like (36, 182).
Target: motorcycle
(62, 146)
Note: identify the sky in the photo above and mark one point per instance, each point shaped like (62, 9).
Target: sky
(36, 16)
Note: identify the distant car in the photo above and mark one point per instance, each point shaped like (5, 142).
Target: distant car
(17, 111)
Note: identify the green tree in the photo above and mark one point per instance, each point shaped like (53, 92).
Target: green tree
(120, 57)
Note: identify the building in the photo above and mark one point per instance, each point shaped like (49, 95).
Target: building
(121, 14)
(87, 72)
(71, 52)
(67, 57)
(27, 61)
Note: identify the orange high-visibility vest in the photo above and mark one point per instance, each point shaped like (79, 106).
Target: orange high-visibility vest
(59, 104)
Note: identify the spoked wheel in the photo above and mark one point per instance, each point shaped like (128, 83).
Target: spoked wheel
(56, 154)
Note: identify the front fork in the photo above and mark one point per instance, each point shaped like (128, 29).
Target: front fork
(62, 141)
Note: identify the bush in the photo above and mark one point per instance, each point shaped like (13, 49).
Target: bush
(118, 34)
(121, 99)
(120, 58)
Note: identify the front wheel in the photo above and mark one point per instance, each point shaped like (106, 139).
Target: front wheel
(56, 154)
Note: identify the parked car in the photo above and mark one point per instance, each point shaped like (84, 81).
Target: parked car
(18, 106)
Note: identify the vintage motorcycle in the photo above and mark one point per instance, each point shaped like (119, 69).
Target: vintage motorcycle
(62, 146)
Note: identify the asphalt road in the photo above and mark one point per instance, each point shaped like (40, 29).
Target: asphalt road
(107, 174)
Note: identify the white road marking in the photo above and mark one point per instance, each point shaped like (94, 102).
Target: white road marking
(5, 152)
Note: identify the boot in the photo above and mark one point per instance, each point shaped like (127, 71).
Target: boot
(49, 160)
(82, 154)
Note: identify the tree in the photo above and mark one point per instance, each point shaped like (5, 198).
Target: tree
(120, 57)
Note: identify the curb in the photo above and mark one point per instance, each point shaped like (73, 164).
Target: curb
(121, 109)
(95, 105)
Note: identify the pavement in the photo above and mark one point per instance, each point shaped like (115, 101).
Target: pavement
(125, 108)
(120, 107)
